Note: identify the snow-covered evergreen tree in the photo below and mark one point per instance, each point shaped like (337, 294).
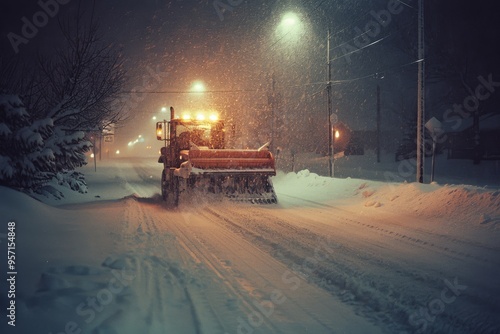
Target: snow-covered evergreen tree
(34, 152)
(25, 161)
(69, 149)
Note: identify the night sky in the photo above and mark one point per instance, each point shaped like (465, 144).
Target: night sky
(238, 50)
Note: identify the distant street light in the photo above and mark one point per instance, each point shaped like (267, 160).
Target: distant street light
(290, 19)
(198, 87)
(164, 109)
(335, 134)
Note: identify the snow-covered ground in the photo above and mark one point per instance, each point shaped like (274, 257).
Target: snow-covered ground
(334, 256)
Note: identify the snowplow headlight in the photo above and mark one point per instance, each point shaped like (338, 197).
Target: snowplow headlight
(214, 117)
(200, 117)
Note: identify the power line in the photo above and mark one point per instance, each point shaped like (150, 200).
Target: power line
(347, 81)
(364, 33)
(362, 48)
(406, 4)
(390, 69)
(336, 82)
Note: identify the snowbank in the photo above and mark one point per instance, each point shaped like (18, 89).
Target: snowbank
(459, 203)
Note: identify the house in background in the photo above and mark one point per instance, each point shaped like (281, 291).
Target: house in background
(461, 138)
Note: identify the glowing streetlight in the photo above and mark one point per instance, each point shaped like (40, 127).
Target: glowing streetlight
(198, 87)
(336, 135)
(290, 19)
(164, 109)
(289, 26)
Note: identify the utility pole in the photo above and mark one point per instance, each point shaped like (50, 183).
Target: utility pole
(378, 123)
(421, 93)
(272, 104)
(329, 107)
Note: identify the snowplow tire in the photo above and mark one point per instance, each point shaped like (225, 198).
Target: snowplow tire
(164, 186)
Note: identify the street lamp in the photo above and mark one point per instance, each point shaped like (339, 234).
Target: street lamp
(198, 87)
(289, 25)
(290, 19)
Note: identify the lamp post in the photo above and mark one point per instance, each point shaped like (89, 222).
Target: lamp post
(291, 22)
(421, 93)
(329, 105)
(289, 26)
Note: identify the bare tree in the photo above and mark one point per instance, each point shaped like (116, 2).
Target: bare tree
(77, 86)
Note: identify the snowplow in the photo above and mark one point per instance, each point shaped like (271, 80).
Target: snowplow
(195, 158)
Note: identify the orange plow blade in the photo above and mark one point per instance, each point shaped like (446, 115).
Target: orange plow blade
(233, 160)
(242, 175)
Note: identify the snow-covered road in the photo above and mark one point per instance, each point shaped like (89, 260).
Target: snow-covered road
(307, 265)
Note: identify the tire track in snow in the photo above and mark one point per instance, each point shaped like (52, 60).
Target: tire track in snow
(159, 300)
(202, 255)
(227, 235)
(241, 264)
(365, 284)
(198, 285)
(422, 241)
